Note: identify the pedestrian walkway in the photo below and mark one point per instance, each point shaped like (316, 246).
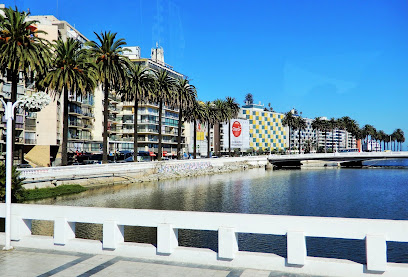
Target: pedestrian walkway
(35, 262)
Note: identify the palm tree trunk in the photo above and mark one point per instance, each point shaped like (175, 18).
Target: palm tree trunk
(195, 140)
(159, 151)
(229, 137)
(208, 139)
(64, 150)
(14, 83)
(290, 149)
(179, 131)
(105, 123)
(135, 131)
(300, 146)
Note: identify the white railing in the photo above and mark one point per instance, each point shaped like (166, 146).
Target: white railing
(116, 168)
(368, 155)
(375, 232)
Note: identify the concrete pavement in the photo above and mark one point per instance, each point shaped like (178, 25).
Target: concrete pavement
(34, 262)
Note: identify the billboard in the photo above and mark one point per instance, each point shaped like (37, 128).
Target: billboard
(239, 133)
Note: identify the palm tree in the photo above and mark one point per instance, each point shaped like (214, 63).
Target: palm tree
(368, 130)
(195, 112)
(21, 50)
(186, 96)
(70, 71)
(400, 138)
(351, 127)
(317, 127)
(112, 67)
(300, 124)
(289, 121)
(223, 114)
(382, 137)
(325, 128)
(233, 108)
(333, 125)
(211, 116)
(138, 90)
(164, 89)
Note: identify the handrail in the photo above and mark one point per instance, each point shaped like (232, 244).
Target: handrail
(376, 232)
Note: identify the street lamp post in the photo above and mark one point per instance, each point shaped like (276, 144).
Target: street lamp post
(9, 115)
(34, 102)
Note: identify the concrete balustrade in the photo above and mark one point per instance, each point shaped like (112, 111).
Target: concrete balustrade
(375, 232)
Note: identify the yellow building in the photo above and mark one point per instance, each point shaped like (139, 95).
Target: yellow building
(265, 128)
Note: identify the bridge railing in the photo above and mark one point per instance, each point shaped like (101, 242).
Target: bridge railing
(401, 154)
(375, 232)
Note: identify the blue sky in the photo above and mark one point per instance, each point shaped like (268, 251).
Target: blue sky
(325, 58)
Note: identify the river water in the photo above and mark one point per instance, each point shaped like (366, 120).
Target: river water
(355, 193)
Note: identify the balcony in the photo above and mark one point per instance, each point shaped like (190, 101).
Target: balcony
(30, 141)
(113, 109)
(127, 131)
(30, 127)
(31, 115)
(87, 114)
(88, 102)
(74, 124)
(113, 98)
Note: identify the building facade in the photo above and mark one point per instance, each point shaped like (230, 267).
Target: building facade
(265, 128)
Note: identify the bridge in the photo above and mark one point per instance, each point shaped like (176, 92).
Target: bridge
(345, 159)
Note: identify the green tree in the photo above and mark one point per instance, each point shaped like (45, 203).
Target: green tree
(195, 113)
(112, 71)
(138, 89)
(21, 50)
(399, 137)
(70, 71)
(165, 90)
(233, 110)
(300, 125)
(382, 136)
(211, 116)
(222, 116)
(333, 125)
(289, 120)
(17, 189)
(186, 96)
(368, 131)
(249, 98)
(317, 125)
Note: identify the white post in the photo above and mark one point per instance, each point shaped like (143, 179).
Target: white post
(9, 117)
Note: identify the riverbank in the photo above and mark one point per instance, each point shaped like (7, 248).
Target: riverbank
(108, 174)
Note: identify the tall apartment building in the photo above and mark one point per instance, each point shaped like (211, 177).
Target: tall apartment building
(48, 138)
(121, 118)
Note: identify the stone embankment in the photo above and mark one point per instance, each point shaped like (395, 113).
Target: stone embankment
(108, 174)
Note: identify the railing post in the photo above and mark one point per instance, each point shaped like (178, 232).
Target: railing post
(296, 248)
(63, 230)
(227, 243)
(20, 227)
(112, 234)
(376, 253)
(167, 238)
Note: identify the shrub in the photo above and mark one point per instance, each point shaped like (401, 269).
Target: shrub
(17, 189)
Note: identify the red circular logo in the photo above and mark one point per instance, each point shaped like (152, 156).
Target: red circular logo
(236, 129)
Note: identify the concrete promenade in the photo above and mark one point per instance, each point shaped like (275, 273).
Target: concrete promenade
(36, 262)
